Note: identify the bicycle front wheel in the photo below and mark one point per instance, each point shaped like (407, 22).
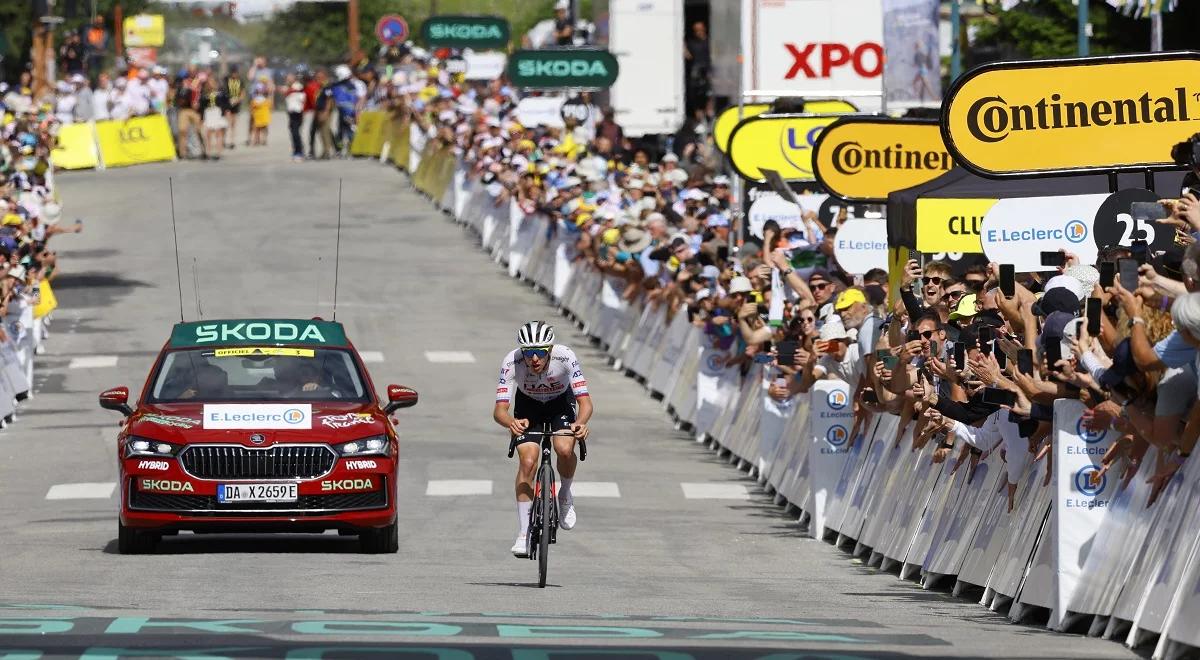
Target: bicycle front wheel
(546, 496)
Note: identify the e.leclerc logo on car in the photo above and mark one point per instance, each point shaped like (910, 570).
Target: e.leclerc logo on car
(293, 416)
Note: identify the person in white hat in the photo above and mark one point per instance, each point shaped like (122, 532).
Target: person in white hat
(835, 357)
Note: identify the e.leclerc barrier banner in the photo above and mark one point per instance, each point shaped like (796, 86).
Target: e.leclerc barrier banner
(134, 141)
(865, 158)
(1073, 115)
(782, 143)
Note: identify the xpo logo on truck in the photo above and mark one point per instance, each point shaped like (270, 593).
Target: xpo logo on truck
(819, 60)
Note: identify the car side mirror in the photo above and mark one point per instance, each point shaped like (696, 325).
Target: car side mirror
(399, 397)
(116, 399)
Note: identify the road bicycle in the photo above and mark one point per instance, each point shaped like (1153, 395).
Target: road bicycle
(543, 516)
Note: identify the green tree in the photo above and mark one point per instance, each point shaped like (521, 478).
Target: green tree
(17, 20)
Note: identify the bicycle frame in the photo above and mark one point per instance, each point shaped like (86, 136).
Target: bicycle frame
(543, 515)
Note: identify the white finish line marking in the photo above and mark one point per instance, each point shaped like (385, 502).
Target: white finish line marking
(92, 491)
(450, 487)
(595, 489)
(370, 357)
(707, 491)
(453, 357)
(92, 362)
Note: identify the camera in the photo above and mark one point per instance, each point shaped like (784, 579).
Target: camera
(1187, 152)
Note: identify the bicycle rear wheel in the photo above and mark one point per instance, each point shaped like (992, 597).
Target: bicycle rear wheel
(546, 496)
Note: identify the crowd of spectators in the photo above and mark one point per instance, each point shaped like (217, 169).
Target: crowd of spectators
(973, 360)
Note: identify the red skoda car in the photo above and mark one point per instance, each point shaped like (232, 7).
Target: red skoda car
(258, 425)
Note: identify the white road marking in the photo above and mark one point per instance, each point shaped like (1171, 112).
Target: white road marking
(91, 491)
(370, 356)
(710, 491)
(454, 357)
(595, 489)
(448, 487)
(92, 362)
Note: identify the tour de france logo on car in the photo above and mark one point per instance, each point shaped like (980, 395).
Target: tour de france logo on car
(837, 435)
(838, 399)
(1084, 481)
(1087, 435)
(1076, 231)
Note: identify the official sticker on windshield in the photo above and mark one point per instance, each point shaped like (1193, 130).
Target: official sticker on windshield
(264, 350)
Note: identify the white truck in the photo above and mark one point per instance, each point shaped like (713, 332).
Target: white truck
(646, 36)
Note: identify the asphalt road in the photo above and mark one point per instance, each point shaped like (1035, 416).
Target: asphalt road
(650, 572)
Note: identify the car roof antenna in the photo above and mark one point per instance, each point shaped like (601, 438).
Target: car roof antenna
(337, 250)
(175, 233)
(196, 288)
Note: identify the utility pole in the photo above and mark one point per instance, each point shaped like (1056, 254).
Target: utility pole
(1156, 28)
(42, 55)
(1083, 27)
(352, 20)
(955, 40)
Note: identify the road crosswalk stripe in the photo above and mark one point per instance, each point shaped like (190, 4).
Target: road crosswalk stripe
(451, 357)
(595, 489)
(92, 362)
(715, 491)
(84, 491)
(370, 357)
(451, 487)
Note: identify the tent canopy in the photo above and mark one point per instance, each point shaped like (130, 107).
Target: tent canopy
(958, 183)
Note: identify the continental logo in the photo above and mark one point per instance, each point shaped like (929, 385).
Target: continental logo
(852, 158)
(340, 485)
(992, 119)
(167, 486)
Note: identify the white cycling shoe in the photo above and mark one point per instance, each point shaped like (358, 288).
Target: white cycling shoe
(567, 507)
(521, 546)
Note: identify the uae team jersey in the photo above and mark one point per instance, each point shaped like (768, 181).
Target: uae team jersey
(563, 373)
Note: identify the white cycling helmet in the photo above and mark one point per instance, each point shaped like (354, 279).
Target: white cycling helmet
(535, 333)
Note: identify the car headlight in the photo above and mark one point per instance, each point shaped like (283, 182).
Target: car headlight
(136, 446)
(376, 445)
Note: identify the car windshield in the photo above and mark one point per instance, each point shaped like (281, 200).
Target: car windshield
(258, 374)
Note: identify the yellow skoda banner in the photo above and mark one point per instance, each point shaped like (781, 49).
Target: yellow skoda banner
(76, 148)
(144, 30)
(865, 158)
(1086, 114)
(134, 141)
(368, 137)
(951, 225)
(783, 143)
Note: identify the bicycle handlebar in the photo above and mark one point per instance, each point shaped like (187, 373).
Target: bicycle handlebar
(512, 442)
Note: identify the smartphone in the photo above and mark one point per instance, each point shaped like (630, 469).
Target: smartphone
(1108, 274)
(960, 355)
(723, 252)
(1093, 316)
(1053, 354)
(986, 334)
(1128, 270)
(999, 397)
(1140, 251)
(880, 353)
(787, 353)
(1148, 211)
(913, 335)
(1008, 280)
(890, 362)
(1054, 259)
(762, 358)
(1025, 361)
(870, 397)
(933, 347)
(1001, 356)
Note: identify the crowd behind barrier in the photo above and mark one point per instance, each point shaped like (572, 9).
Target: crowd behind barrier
(1077, 526)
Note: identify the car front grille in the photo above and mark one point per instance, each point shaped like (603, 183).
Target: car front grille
(238, 462)
(208, 504)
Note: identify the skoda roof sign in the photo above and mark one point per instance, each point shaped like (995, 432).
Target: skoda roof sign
(1090, 114)
(563, 68)
(475, 32)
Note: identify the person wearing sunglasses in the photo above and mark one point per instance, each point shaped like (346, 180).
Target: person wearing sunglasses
(542, 382)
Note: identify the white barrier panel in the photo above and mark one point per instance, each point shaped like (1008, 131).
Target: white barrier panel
(715, 386)
(830, 415)
(854, 517)
(970, 500)
(775, 416)
(1180, 627)
(1026, 522)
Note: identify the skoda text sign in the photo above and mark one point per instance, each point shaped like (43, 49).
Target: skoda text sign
(812, 47)
(1087, 114)
(475, 32)
(782, 143)
(865, 158)
(565, 68)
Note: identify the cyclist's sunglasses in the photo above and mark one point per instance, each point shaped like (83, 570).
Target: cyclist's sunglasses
(538, 352)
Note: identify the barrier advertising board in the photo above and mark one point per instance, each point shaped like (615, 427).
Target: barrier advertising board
(1073, 115)
(565, 68)
(1017, 231)
(135, 140)
(475, 32)
(812, 47)
(861, 245)
(831, 415)
(865, 158)
(951, 225)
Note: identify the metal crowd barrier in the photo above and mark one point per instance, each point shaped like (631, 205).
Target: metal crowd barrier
(1116, 569)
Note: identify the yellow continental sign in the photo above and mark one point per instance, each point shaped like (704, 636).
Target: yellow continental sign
(728, 119)
(951, 225)
(865, 158)
(783, 143)
(76, 148)
(144, 30)
(264, 350)
(368, 136)
(134, 141)
(1104, 113)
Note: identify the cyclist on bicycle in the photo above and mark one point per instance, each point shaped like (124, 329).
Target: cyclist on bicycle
(544, 383)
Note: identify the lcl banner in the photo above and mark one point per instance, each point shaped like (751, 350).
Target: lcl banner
(812, 47)
(782, 143)
(865, 158)
(728, 118)
(1073, 115)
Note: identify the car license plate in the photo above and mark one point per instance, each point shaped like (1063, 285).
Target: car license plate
(256, 493)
